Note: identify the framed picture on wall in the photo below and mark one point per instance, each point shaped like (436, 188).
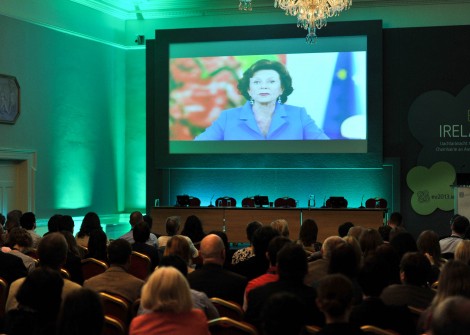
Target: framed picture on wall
(9, 99)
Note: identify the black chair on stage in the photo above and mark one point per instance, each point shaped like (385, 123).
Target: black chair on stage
(194, 202)
(226, 202)
(285, 202)
(248, 202)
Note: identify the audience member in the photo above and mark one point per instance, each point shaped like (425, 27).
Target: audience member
(283, 314)
(451, 317)
(282, 226)
(38, 299)
(97, 245)
(292, 268)
(319, 268)
(458, 225)
(11, 267)
(271, 275)
(141, 234)
(167, 295)
(116, 279)
(193, 229)
(414, 290)
(228, 251)
(53, 224)
(178, 245)
(258, 264)
(389, 256)
(369, 240)
(462, 251)
(454, 279)
(395, 220)
(356, 231)
(90, 222)
(335, 295)
(13, 219)
(356, 247)
(73, 262)
(212, 278)
(343, 229)
(19, 241)
(172, 226)
(403, 242)
(52, 253)
(384, 231)
(81, 313)
(428, 245)
(245, 253)
(373, 278)
(67, 224)
(135, 218)
(308, 236)
(28, 222)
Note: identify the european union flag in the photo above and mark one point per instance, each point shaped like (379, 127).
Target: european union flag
(341, 102)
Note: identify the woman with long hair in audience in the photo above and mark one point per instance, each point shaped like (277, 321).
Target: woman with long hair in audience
(179, 246)
(193, 229)
(168, 296)
(308, 236)
(73, 262)
(454, 279)
(428, 244)
(369, 240)
(90, 222)
(98, 245)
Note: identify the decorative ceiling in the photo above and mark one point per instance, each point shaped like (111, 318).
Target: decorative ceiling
(155, 9)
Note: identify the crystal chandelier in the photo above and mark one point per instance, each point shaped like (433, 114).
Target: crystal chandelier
(311, 14)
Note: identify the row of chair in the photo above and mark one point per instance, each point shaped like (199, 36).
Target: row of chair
(255, 201)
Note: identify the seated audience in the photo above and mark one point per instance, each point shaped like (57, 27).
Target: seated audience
(335, 295)
(428, 245)
(73, 263)
(212, 278)
(373, 278)
(116, 279)
(454, 279)
(11, 267)
(369, 240)
(258, 264)
(172, 226)
(19, 241)
(384, 231)
(292, 268)
(245, 253)
(141, 234)
(395, 220)
(90, 222)
(356, 231)
(53, 224)
(343, 229)
(97, 246)
(271, 275)
(28, 222)
(458, 225)
(281, 226)
(81, 313)
(13, 219)
(228, 251)
(52, 253)
(283, 314)
(134, 219)
(308, 236)
(462, 251)
(414, 290)
(38, 299)
(167, 295)
(451, 317)
(193, 229)
(319, 268)
(403, 242)
(178, 245)
(67, 224)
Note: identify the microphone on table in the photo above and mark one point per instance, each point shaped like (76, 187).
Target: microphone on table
(324, 202)
(210, 204)
(362, 206)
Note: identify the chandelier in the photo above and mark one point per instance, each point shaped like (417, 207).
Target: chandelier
(311, 14)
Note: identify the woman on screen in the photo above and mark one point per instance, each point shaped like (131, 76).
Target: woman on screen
(266, 85)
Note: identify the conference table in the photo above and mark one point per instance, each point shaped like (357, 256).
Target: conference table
(233, 220)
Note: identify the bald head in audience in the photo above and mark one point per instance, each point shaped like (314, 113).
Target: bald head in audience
(212, 249)
(135, 218)
(450, 317)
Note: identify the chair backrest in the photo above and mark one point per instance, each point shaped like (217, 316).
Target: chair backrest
(229, 309)
(194, 202)
(227, 326)
(112, 326)
(312, 329)
(140, 265)
(92, 267)
(248, 202)
(369, 329)
(226, 202)
(116, 307)
(3, 296)
(285, 202)
(64, 273)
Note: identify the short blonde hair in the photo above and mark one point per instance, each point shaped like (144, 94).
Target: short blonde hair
(281, 226)
(167, 290)
(178, 245)
(462, 251)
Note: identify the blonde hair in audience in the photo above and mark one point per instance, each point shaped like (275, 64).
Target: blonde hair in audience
(281, 226)
(178, 245)
(454, 279)
(167, 291)
(462, 251)
(356, 246)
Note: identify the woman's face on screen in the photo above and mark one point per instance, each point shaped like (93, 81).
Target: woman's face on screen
(265, 86)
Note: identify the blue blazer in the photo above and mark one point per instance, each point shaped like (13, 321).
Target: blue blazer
(288, 123)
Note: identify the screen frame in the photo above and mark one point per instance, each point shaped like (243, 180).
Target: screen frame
(158, 55)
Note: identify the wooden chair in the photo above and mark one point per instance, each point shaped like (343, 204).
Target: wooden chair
(227, 326)
(64, 273)
(92, 267)
(373, 330)
(112, 326)
(116, 307)
(435, 285)
(140, 265)
(228, 309)
(3, 297)
(312, 329)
